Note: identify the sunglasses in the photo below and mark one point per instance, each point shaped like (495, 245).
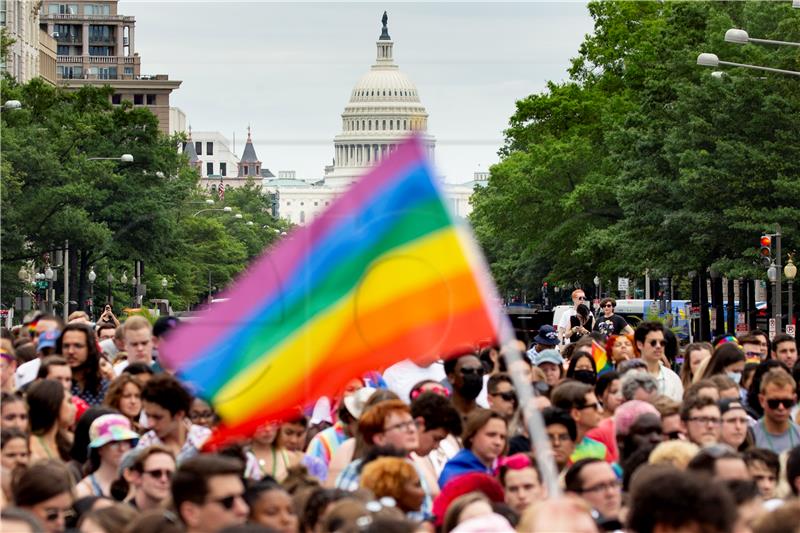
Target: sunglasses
(773, 403)
(466, 371)
(581, 298)
(51, 515)
(509, 396)
(655, 343)
(596, 406)
(608, 305)
(159, 474)
(674, 435)
(228, 501)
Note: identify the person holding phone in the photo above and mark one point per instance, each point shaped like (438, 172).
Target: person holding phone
(108, 316)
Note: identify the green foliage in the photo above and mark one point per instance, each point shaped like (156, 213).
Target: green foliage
(642, 159)
(113, 213)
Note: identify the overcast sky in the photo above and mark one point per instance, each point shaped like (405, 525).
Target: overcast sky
(288, 68)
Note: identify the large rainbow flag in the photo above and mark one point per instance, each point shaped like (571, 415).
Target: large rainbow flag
(384, 274)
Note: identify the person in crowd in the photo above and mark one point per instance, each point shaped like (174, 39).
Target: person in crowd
(701, 420)
(484, 437)
(695, 502)
(150, 476)
(552, 364)
(138, 336)
(579, 400)
(764, 468)
(316, 506)
(546, 339)
(111, 437)
(52, 413)
(490, 359)
(793, 470)
(401, 377)
(595, 481)
(785, 349)
(396, 478)
(563, 435)
(727, 359)
(8, 367)
(694, 355)
(721, 462)
(501, 395)
(676, 453)
(438, 423)
(78, 345)
(753, 403)
(608, 389)
(44, 489)
(56, 368)
(670, 412)
(271, 506)
(79, 452)
(325, 443)
(202, 414)
(166, 404)
(268, 457)
(638, 385)
(650, 342)
(109, 519)
(20, 521)
(14, 453)
(582, 368)
(620, 348)
(735, 424)
(428, 385)
(105, 331)
(580, 324)
(761, 343)
(140, 371)
(728, 389)
(752, 348)
(522, 482)
(568, 513)
(776, 430)
(125, 395)
(13, 411)
(611, 323)
(465, 375)
(464, 508)
(637, 425)
(208, 493)
(26, 372)
(702, 387)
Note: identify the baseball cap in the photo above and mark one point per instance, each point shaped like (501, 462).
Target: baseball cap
(48, 339)
(547, 335)
(110, 428)
(355, 402)
(729, 404)
(548, 356)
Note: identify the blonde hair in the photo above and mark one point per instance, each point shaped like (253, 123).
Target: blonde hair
(677, 453)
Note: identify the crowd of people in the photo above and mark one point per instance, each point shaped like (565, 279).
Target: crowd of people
(98, 437)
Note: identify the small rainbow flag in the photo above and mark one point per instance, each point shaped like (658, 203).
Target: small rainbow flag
(601, 362)
(384, 274)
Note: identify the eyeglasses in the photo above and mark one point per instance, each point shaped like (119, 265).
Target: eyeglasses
(408, 425)
(655, 343)
(788, 403)
(706, 420)
(159, 473)
(228, 501)
(609, 305)
(468, 371)
(509, 396)
(51, 515)
(612, 485)
(581, 298)
(596, 406)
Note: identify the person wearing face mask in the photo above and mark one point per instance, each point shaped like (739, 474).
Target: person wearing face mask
(728, 359)
(465, 375)
(582, 368)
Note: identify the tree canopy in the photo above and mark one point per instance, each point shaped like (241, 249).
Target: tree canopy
(642, 160)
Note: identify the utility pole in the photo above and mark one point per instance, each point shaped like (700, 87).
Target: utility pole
(779, 284)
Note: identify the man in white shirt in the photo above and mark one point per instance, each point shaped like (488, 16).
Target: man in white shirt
(649, 338)
(578, 298)
(402, 376)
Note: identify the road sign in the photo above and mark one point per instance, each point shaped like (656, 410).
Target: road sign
(773, 328)
(790, 329)
(741, 328)
(694, 312)
(622, 284)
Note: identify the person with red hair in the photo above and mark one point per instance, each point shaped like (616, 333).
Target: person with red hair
(620, 348)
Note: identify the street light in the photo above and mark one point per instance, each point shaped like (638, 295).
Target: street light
(11, 105)
(735, 35)
(790, 271)
(124, 158)
(249, 222)
(91, 277)
(110, 280)
(226, 209)
(238, 216)
(711, 60)
(49, 274)
(124, 278)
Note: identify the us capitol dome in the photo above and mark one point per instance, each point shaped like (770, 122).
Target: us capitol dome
(384, 109)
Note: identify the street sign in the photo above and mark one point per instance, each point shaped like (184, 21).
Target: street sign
(773, 328)
(790, 330)
(741, 328)
(622, 284)
(694, 312)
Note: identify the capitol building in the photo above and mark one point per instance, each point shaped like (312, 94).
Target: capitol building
(384, 109)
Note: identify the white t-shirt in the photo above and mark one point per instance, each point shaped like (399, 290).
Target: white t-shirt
(669, 384)
(402, 376)
(27, 372)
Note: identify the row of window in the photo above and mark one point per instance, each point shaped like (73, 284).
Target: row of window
(198, 147)
(72, 9)
(138, 99)
(223, 169)
(316, 204)
(366, 125)
(385, 93)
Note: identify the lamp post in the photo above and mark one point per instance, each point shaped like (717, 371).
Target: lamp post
(164, 284)
(134, 283)
(735, 35)
(110, 297)
(711, 60)
(49, 274)
(790, 271)
(92, 277)
(226, 209)
(597, 287)
(124, 158)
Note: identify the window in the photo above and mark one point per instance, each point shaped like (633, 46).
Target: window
(151, 99)
(209, 169)
(138, 99)
(246, 170)
(316, 204)
(214, 188)
(198, 148)
(96, 9)
(103, 51)
(128, 71)
(102, 34)
(288, 203)
(302, 216)
(116, 99)
(62, 50)
(223, 169)
(209, 148)
(62, 9)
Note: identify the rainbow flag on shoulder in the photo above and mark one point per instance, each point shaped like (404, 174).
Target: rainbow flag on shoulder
(383, 275)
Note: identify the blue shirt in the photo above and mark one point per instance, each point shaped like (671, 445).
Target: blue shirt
(463, 462)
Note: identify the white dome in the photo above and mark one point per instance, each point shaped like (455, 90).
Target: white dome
(384, 85)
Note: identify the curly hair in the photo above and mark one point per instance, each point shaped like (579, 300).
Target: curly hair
(386, 476)
(117, 389)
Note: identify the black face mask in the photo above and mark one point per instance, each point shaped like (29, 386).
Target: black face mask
(471, 387)
(585, 376)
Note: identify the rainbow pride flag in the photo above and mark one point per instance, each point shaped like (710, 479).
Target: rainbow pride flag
(601, 362)
(383, 275)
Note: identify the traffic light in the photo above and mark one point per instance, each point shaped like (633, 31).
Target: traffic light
(766, 250)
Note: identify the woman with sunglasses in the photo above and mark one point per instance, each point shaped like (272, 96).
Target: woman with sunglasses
(611, 323)
(485, 439)
(45, 489)
(651, 343)
(111, 437)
